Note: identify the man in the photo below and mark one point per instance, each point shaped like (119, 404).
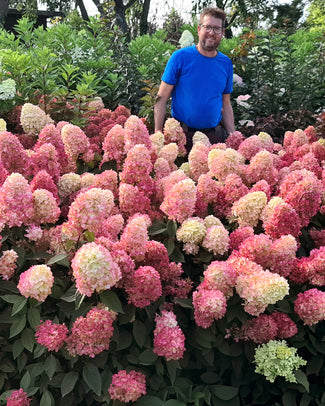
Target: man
(199, 80)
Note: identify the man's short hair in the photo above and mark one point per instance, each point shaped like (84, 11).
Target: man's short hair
(213, 12)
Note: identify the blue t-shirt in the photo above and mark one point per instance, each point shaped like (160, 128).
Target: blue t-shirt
(199, 83)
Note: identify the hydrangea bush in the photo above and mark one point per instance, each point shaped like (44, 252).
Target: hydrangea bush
(131, 272)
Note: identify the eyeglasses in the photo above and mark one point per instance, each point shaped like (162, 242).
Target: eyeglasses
(209, 28)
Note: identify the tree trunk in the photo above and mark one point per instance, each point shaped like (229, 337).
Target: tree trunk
(144, 17)
(83, 11)
(4, 5)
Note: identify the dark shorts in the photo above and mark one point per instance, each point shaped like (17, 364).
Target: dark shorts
(215, 135)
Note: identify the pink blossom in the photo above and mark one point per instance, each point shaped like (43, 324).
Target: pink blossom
(92, 334)
(113, 145)
(239, 235)
(262, 186)
(127, 386)
(310, 306)
(179, 202)
(313, 267)
(248, 208)
(260, 330)
(157, 256)
(294, 139)
(318, 236)
(173, 132)
(282, 255)
(256, 249)
(234, 188)
(91, 208)
(137, 134)
(170, 153)
(112, 226)
(144, 287)
(208, 188)
(94, 269)
(198, 160)
(216, 240)
(33, 119)
(68, 184)
(8, 264)
(250, 147)
(12, 154)
(3, 173)
(135, 236)
(161, 168)
(45, 158)
(168, 337)
(16, 200)
(36, 282)
(310, 163)
(224, 162)
(75, 141)
(234, 140)
(137, 165)
(43, 180)
(46, 209)
(132, 200)
(34, 233)
(261, 167)
(107, 180)
(18, 398)
(286, 327)
(51, 335)
(220, 275)
(209, 305)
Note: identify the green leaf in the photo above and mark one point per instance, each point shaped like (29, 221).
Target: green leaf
(70, 294)
(174, 402)
(34, 317)
(78, 300)
(28, 339)
(68, 383)
(90, 236)
(139, 333)
(17, 348)
(18, 325)
(289, 398)
(111, 300)
(11, 298)
(170, 245)
(314, 365)
(187, 303)
(302, 379)
(157, 228)
(172, 367)
(91, 376)
(224, 392)
(124, 340)
(18, 305)
(25, 381)
(59, 258)
(50, 366)
(171, 228)
(46, 399)
(147, 357)
(210, 377)
(149, 401)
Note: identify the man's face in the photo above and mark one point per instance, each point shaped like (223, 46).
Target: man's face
(209, 41)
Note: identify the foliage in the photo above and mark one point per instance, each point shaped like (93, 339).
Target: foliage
(316, 14)
(172, 25)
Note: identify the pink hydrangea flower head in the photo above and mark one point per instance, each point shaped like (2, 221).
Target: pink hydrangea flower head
(224, 162)
(45, 157)
(94, 269)
(250, 147)
(137, 134)
(113, 145)
(208, 188)
(157, 142)
(311, 133)
(294, 139)
(34, 233)
(198, 160)
(282, 255)
(127, 386)
(161, 168)
(318, 236)
(8, 264)
(313, 266)
(262, 186)
(75, 141)
(261, 167)
(135, 236)
(52, 135)
(267, 141)
(43, 180)
(256, 248)
(234, 188)
(168, 337)
(68, 183)
(91, 208)
(33, 119)
(173, 132)
(46, 209)
(280, 218)
(310, 163)
(310, 306)
(51, 335)
(12, 154)
(234, 140)
(36, 282)
(125, 263)
(248, 208)
(179, 202)
(261, 329)
(216, 240)
(107, 180)
(318, 150)
(239, 235)
(132, 200)
(157, 256)
(259, 289)
(18, 398)
(112, 226)
(3, 173)
(220, 275)
(16, 200)
(209, 305)
(286, 328)
(198, 136)
(170, 153)
(144, 287)
(137, 165)
(92, 334)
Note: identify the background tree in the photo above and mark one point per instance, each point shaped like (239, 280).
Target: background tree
(316, 14)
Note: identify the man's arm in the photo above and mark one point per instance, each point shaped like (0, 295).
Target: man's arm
(164, 93)
(227, 113)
